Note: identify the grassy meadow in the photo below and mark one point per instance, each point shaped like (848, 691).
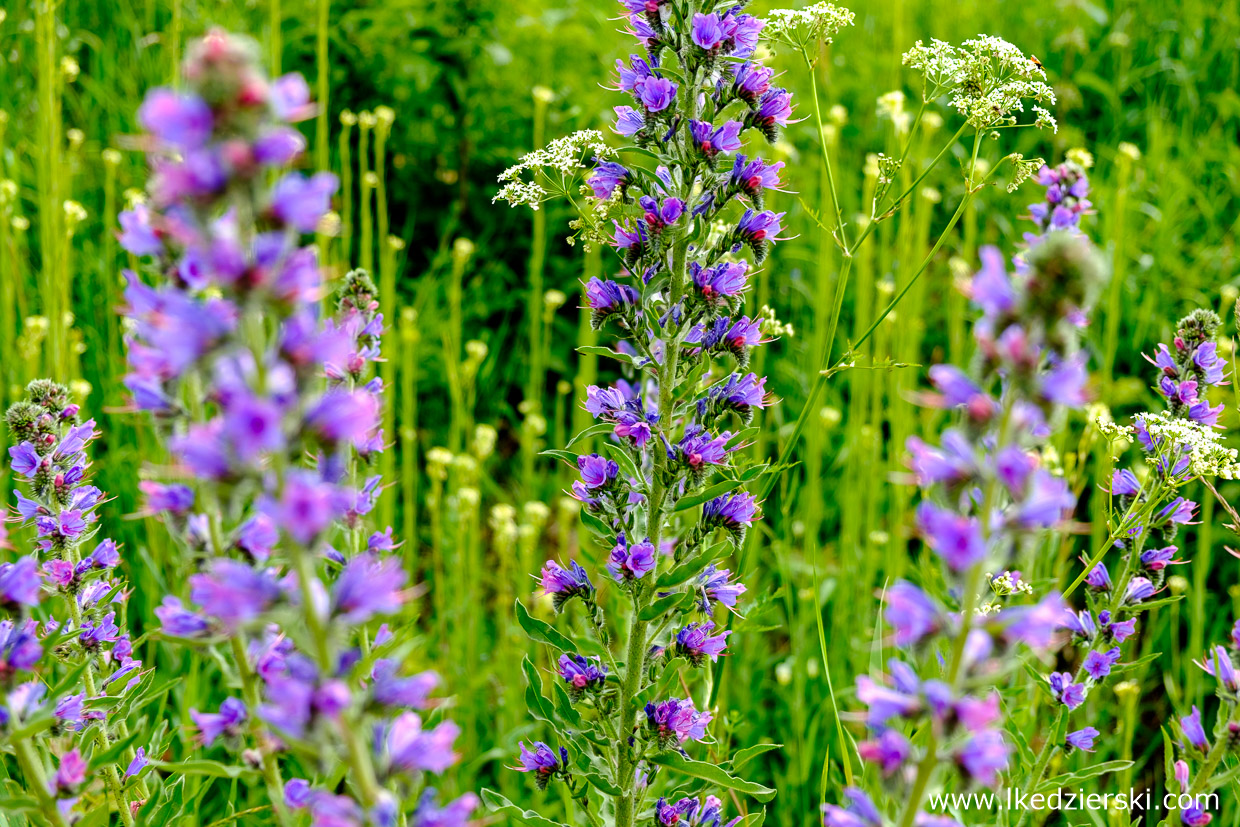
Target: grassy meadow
(425, 102)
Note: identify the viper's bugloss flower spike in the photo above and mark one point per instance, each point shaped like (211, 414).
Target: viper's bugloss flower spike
(987, 487)
(271, 412)
(688, 229)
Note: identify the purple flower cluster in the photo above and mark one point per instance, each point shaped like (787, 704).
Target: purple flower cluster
(231, 353)
(1191, 366)
(988, 491)
(668, 478)
(1067, 198)
(1146, 517)
(1207, 751)
(71, 564)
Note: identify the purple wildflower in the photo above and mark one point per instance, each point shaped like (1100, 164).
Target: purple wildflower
(1194, 732)
(656, 94)
(607, 178)
(369, 585)
(889, 751)
(181, 120)
(730, 511)
(581, 674)
(453, 814)
(911, 614)
(711, 141)
(716, 585)
(564, 583)
(301, 202)
(20, 583)
(628, 121)
(542, 761)
(1065, 691)
(1139, 589)
(860, 811)
(631, 562)
(178, 621)
(1099, 579)
(414, 749)
(954, 537)
(1098, 664)
(984, 756)
(1218, 664)
(696, 643)
(226, 722)
(138, 764)
(233, 592)
(1082, 739)
(677, 721)
(19, 649)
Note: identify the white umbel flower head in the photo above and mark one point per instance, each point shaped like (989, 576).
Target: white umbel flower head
(987, 80)
(557, 164)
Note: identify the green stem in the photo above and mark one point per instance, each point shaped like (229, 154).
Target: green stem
(826, 158)
(36, 780)
(249, 691)
(1221, 746)
(277, 45)
(321, 150)
(638, 639)
(362, 772)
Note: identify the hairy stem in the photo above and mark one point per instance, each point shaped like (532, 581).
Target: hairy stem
(36, 780)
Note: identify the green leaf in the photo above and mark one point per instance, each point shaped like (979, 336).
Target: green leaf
(600, 783)
(624, 459)
(1154, 604)
(113, 753)
(1136, 664)
(497, 803)
(747, 754)
(706, 494)
(713, 774)
(541, 632)
(539, 706)
(1039, 680)
(1022, 745)
(568, 457)
(663, 605)
(598, 350)
(202, 766)
(1073, 780)
(754, 471)
(564, 706)
(593, 430)
(597, 525)
(71, 679)
(1168, 753)
(21, 804)
(41, 721)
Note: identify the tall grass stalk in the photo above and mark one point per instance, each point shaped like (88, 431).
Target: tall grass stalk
(587, 363)
(51, 189)
(531, 407)
(366, 123)
(409, 450)
(389, 298)
(275, 23)
(322, 149)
